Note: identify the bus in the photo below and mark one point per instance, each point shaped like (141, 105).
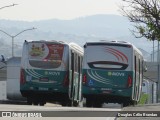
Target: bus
(112, 73)
(51, 71)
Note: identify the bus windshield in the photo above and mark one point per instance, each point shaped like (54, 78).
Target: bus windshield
(45, 55)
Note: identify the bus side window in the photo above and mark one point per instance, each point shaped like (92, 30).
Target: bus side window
(79, 68)
(72, 68)
(135, 65)
(139, 65)
(143, 84)
(76, 63)
(79, 64)
(144, 66)
(72, 61)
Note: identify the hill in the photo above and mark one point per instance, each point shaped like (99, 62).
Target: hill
(79, 30)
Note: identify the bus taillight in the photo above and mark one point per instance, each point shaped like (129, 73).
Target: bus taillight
(22, 77)
(129, 82)
(66, 80)
(84, 79)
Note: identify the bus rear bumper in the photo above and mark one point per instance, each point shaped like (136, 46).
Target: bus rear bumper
(46, 95)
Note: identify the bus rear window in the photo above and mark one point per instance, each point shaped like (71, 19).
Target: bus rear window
(45, 55)
(108, 57)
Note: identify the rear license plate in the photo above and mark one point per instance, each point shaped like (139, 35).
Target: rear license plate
(107, 91)
(44, 79)
(44, 89)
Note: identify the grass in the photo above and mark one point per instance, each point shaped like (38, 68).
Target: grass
(143, 99)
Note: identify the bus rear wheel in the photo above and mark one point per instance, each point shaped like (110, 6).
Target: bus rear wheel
(75, 103)
(97, 104)
(35, 102)
(29, 101)
(42, 103)
(125, 104)
(89, 102)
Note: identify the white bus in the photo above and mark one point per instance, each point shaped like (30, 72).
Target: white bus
(112, 73)
(51, 71)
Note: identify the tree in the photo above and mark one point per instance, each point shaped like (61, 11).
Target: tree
(145, 14)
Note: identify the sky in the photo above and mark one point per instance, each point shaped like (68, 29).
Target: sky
(32, 10)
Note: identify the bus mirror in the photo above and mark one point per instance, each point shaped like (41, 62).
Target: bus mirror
(2, 59)
(145, 68)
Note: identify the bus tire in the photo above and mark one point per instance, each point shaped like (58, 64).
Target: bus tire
(42, 103)
(134, 103)
(97, 104)
(125, 104)
(35, 102)
(75, 103)
(89, 102)
(29, 101)
(64, 103)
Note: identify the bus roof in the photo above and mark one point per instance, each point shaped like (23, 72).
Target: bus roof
(102, 42)
(76, 47)
(46, 41)
(113, 43)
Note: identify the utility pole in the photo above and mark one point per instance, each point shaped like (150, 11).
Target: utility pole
(13, 36)
(158, 73)
(153, 50)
